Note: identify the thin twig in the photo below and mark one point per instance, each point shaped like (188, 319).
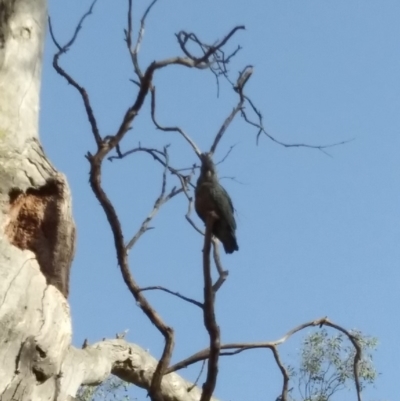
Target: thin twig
(142, 25)
(177, 294)
(170, 129)
(189, 212)
(212, 50)
(82, 91)
(226, 155)
(162, 199)
(198, 378)
(261, 130)
(134, 51)
(79, 26)
(155, 153)
(244, 76)
(223, 274)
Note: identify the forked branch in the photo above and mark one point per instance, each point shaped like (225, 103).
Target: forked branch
(161, 200)
(244, 76)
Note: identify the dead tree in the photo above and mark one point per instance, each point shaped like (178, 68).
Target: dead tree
(38, 232)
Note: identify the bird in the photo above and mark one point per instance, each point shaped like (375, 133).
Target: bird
(210, 196)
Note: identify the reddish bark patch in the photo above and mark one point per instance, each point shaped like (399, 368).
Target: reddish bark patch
(35, 225)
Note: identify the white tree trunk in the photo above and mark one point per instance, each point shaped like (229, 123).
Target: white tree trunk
(36, 220)
(37, 240)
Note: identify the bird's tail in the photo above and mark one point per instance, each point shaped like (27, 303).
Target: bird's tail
(230, 243)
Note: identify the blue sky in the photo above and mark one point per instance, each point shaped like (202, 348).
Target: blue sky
(318, 235)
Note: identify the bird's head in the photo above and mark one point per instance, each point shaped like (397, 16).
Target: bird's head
(207, 166)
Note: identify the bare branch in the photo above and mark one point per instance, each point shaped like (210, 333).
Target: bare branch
(226, 155)
(244, 76)
(261, 130)
(146, 85)
(189, 211)
(169, 129)
(177, 294)
(225, 125)
(122, 257)
(209, 315)
(157, 155)
(285, 374)
(185, 180)
(237, 348)
(198, 377)
(162, 198)
(218, 63)
(223, 274)
(79, 26)
(208, 50)
(128, 31)
(358, 354)
(70, 80)
(141, 30)
(134, 51)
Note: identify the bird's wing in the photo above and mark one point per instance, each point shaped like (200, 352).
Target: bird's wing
(229, 198)
(223, 205)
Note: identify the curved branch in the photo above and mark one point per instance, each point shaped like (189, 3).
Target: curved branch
(357, 357)
(82, 91)
(209, 50)
(122, 257)
(170, 129)
(261, 130)
(285, 374)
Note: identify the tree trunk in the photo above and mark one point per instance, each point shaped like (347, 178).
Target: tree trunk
(37, 237)
(37, 240)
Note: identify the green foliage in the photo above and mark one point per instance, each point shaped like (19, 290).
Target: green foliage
(326, 365)
(111, 389)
